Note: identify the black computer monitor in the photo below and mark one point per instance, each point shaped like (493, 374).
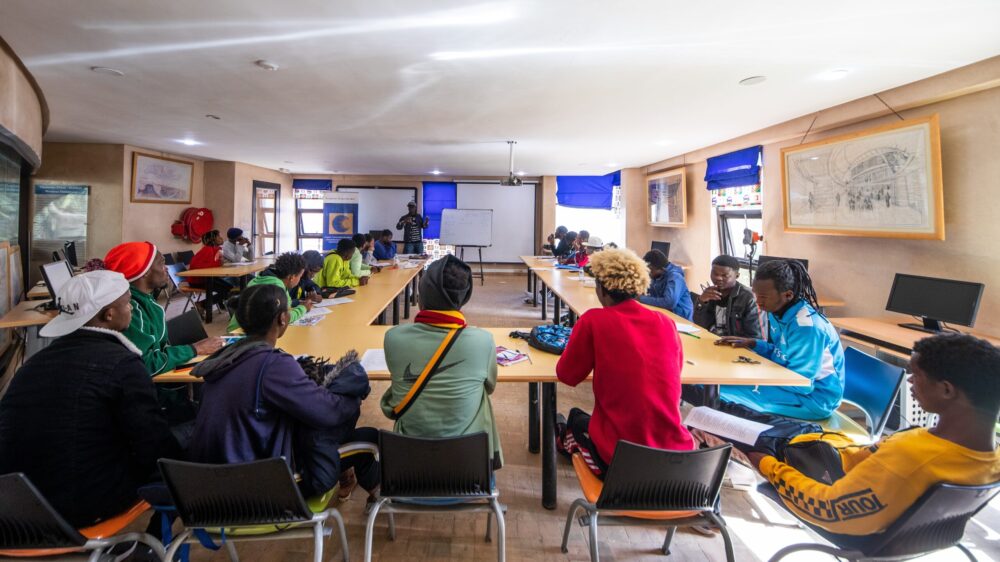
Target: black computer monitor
(56, 274)
(764, 259)
(69, 250)
(663, 247)
(934, 301)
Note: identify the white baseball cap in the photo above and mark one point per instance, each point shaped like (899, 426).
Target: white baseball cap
(594, 242)
(81, 298)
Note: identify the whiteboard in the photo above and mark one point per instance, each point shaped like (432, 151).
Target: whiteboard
(467, 227)
(380, 208)
(513, 218)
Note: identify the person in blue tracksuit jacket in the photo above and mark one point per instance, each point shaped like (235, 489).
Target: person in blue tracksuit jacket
(799, 338)
(668, 289)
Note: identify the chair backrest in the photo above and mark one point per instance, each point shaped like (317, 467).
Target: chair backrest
(872, 385)
(173, 270)
(69, 250)
(27, 521)
(421, 467)
(186, 328)
(185, 256)
(936, 521)
(231, 495)
(646, 479)
(168, 258)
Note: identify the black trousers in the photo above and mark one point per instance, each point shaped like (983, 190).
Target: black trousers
(575, 438)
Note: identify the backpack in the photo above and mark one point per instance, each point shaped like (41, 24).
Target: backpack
(198, 223)
(179, 227)
(550, 338)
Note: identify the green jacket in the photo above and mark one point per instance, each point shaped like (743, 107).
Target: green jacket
(336, 273)
(296, 312)
(358, 266)
(148, 331)
(456, 400)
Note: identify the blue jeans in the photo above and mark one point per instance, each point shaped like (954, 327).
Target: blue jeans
(413, 248)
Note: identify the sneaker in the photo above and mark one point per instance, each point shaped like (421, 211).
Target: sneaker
(348, 482)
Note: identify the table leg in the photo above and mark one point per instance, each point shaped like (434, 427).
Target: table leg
(381, 319)
(556, 310)
(209, 287)
(413, 293)
(529, 280)
(712, 398)
(243, 282)
(533, 434)
(406, 302)
(549, 445)
(534, 288)
(395, 310)
(545, 309)
(572, 317)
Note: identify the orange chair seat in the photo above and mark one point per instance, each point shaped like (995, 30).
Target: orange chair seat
(102, 530)
(185, 288)
(592, 486)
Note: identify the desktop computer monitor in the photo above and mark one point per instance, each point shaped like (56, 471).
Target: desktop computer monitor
(934, 301)
(56, 274)
(663, 247)
(764, 259)
(69, 250)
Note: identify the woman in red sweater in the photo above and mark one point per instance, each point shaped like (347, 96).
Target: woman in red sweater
(636, 357)
(210, 256)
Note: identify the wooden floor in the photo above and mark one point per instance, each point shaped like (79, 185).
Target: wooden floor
(534, 533)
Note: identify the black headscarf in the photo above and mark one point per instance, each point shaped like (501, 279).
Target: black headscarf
(434, 295)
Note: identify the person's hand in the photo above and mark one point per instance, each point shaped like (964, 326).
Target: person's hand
(551, 238)
(376, 268)
(711, 294)
(308, 303)
(315, 297)
(734, 341)
(755, 457)
(363, 280)
(208, 346)
(243, 241)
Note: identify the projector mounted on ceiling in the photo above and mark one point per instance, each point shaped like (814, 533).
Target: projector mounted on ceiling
(511, 179)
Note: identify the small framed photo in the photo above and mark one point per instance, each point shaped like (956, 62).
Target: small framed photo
(156, 179)
(667, 192)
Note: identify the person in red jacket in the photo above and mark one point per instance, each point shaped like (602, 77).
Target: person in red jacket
(210, 256)
(636, 357)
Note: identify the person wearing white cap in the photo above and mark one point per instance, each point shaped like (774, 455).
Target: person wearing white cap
(80, 418)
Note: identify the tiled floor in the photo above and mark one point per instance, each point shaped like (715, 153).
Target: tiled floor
(534, 533)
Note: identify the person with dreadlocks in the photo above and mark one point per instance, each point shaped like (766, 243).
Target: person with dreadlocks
(800, 338)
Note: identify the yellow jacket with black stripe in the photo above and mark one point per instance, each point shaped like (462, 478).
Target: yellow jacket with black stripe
(881, 480)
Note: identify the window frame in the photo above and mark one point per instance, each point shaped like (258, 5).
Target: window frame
(726, 244)
(300, 232)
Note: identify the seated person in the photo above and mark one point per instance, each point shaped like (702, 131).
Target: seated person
(256, 398)
(455, 401)
(359, 268)
(636, 357)
(384, 248)
(336, 270)
(307, 289)
(80, 417)
(236, 248)
(668, 289)
(954, 376)
(210, 255)
(555, 239)
(368, 255)
(285, 273)
(727, 307)
(582, 257)
(572, 247)
(800, 338)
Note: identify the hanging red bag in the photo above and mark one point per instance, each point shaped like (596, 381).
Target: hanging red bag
(198, 223)
(179, 227)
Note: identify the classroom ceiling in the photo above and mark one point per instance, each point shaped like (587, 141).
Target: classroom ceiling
(407, 87)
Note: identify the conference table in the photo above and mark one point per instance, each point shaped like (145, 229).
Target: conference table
(239, 270)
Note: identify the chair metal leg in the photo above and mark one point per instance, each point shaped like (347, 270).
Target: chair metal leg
(392, 526)
(965, 551)
(489, 521)
(343, 535)
(594, 555)
(577, 504)
(176, 544)
(666, 542)
(501, 527)
(231, 549)
(370, 527)
(831, 550)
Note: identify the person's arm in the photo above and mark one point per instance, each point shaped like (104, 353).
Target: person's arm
(287, 387)
(577, 360)
(426, 222)
(342, 275)
(138, 416)
(231, 252)
(399, 224)
(704, 315)
(491, 367)
(379, 251)
(802, 352)
(156, 357)
(665, 300)
(749, 320)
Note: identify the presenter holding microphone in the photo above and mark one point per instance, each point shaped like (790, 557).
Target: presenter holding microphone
(412, 224)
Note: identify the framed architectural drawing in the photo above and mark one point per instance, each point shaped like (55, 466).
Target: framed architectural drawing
(883, 182)
(667, 198)
(156, 179)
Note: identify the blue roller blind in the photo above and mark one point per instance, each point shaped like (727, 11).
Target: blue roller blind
(735, 169)
(313, 185)
(438, 196)
(587, 192)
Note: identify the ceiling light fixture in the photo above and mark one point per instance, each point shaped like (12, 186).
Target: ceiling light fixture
(752, 80)
(266, 64)
(520, 172)
(284, 170)
(189, 142)
(835, 74)
(210, 116)
(611, 164)
(436, 172)
(511, 180)
(106, 70)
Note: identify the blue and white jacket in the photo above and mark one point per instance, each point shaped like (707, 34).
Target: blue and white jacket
(670, 291)
(804, 341)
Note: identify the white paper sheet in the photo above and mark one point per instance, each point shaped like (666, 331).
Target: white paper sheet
(687, 328)
(724, 425)
(374, 360)
(332, 302)
(317, 311)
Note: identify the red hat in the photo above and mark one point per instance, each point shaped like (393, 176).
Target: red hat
(131, 259)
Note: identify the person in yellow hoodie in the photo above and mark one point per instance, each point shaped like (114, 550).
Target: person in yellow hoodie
(955, 376)
(336, 270)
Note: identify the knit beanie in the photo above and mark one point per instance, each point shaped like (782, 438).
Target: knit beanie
(131, 259)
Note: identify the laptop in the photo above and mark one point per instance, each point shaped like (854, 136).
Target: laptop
(56, 274)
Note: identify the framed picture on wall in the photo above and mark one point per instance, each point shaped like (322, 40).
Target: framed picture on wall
(883, 182)
(156, 179)
(667, 198)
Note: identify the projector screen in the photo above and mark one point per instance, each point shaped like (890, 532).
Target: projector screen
(513, 218)
(380, 207)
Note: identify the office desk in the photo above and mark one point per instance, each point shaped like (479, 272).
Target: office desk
(884, 333)
(24, 315)
(38, 292)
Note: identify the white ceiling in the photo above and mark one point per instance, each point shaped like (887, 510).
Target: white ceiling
(405, 87)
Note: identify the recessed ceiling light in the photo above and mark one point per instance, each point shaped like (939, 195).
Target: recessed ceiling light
(663, 143)
(611, 164)
(106, 70)
(520, 173)
(188, 142)
(289, 162)
(436, 172)
(835, 74)
(284, 170)
(266, 64)
(814, 157)
(752, 80)
(210, 116)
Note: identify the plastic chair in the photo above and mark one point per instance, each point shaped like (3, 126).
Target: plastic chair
(168, 259)
(935, 522)
(186, 328)
(185, 257)
(29, 527)
(647, 486)
(251, 501)
(871, 385)
(421, 475)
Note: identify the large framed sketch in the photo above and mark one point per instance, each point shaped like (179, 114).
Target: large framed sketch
(156, 179)
(667, 198)
(883, 182)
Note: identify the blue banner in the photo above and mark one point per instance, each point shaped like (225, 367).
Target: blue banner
(61, 189)
(340, 218)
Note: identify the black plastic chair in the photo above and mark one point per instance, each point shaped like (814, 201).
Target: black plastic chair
(186, 329)
(421, 475)
(871, 385)
(185, 257)
(935, 522)
(225, 499)
(28, 522)
(643, 483)
(181, 286)
(168, 259)
(69, 250)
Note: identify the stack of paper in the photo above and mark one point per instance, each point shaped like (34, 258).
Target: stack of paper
(726, 426)
(374, 360)
(333, 302)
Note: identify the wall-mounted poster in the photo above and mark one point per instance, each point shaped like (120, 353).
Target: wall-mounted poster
(882, 182)
(156, 179)
(340, 217)
(667, 193)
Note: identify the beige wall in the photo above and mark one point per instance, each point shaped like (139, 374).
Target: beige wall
(245, 174)
(220, 192)
(23, 112)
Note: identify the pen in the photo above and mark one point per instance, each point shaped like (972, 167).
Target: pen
(686, 334)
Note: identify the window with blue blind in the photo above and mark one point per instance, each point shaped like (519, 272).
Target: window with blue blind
(438, 196)
(587, 192)
(735, 169)
(313, 185)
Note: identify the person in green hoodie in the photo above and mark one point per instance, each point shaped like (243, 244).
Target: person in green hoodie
(336, 270)
(285, 272)
(359, 268)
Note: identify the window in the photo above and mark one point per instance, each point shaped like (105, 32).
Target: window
(309, 218)
(609, 225)
(266, 206)
(732, 235)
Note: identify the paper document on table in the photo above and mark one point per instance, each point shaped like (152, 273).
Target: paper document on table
(724, 425)
(687, 328)
(384, 263)
(234, 264)
(317, 311)
(374, 360)
(411, 264)
(307, 321)
(332, 302)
